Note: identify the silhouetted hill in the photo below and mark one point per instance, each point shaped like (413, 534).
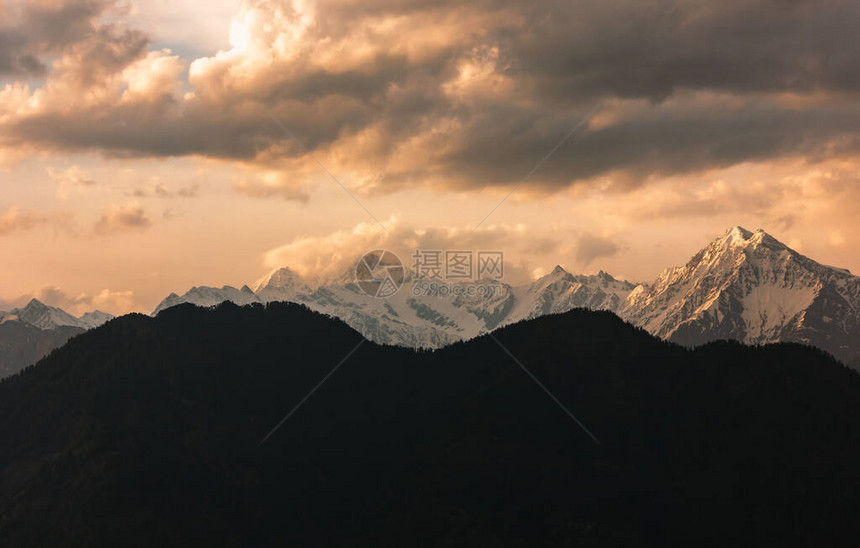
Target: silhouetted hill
(146, 431)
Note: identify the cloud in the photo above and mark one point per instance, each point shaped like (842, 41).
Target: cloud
(123, 218)
(170, 213)
(836, 238)
(33, 32)
(411, 93)
(777, 196)
(528, 251)
(273, 183)
(69, 180)
(106, 300)
(332, 255)
(15, 219)
(161, 190)
(115, 302)
(590, 247)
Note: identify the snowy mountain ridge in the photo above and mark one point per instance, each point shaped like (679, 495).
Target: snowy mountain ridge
(423, 320)
(744, 286)
(45, 317)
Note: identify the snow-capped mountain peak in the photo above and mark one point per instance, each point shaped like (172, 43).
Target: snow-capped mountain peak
(739, 238)
(281, 284)
(38, 314)
(738, 234)
(95, 318)
(556, 275)
(558, 271)
(749, 286)
(283, 277)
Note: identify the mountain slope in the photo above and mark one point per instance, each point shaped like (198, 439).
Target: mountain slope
(147, 431)
(22, 344)
(750, 287)
(28, 334)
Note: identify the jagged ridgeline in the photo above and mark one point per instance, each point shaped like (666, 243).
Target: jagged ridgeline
(743, 286)
(146, 431)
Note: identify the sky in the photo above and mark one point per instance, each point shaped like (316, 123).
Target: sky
(148, 146)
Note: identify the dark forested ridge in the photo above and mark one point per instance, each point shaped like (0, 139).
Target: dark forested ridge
(146, 431)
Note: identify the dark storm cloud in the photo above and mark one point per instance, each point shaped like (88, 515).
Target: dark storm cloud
(485, 89)
(652, 48)
(33, 32)
(14, 57)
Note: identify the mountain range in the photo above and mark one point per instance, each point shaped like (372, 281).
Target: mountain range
(429, 319)
(743, 286)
